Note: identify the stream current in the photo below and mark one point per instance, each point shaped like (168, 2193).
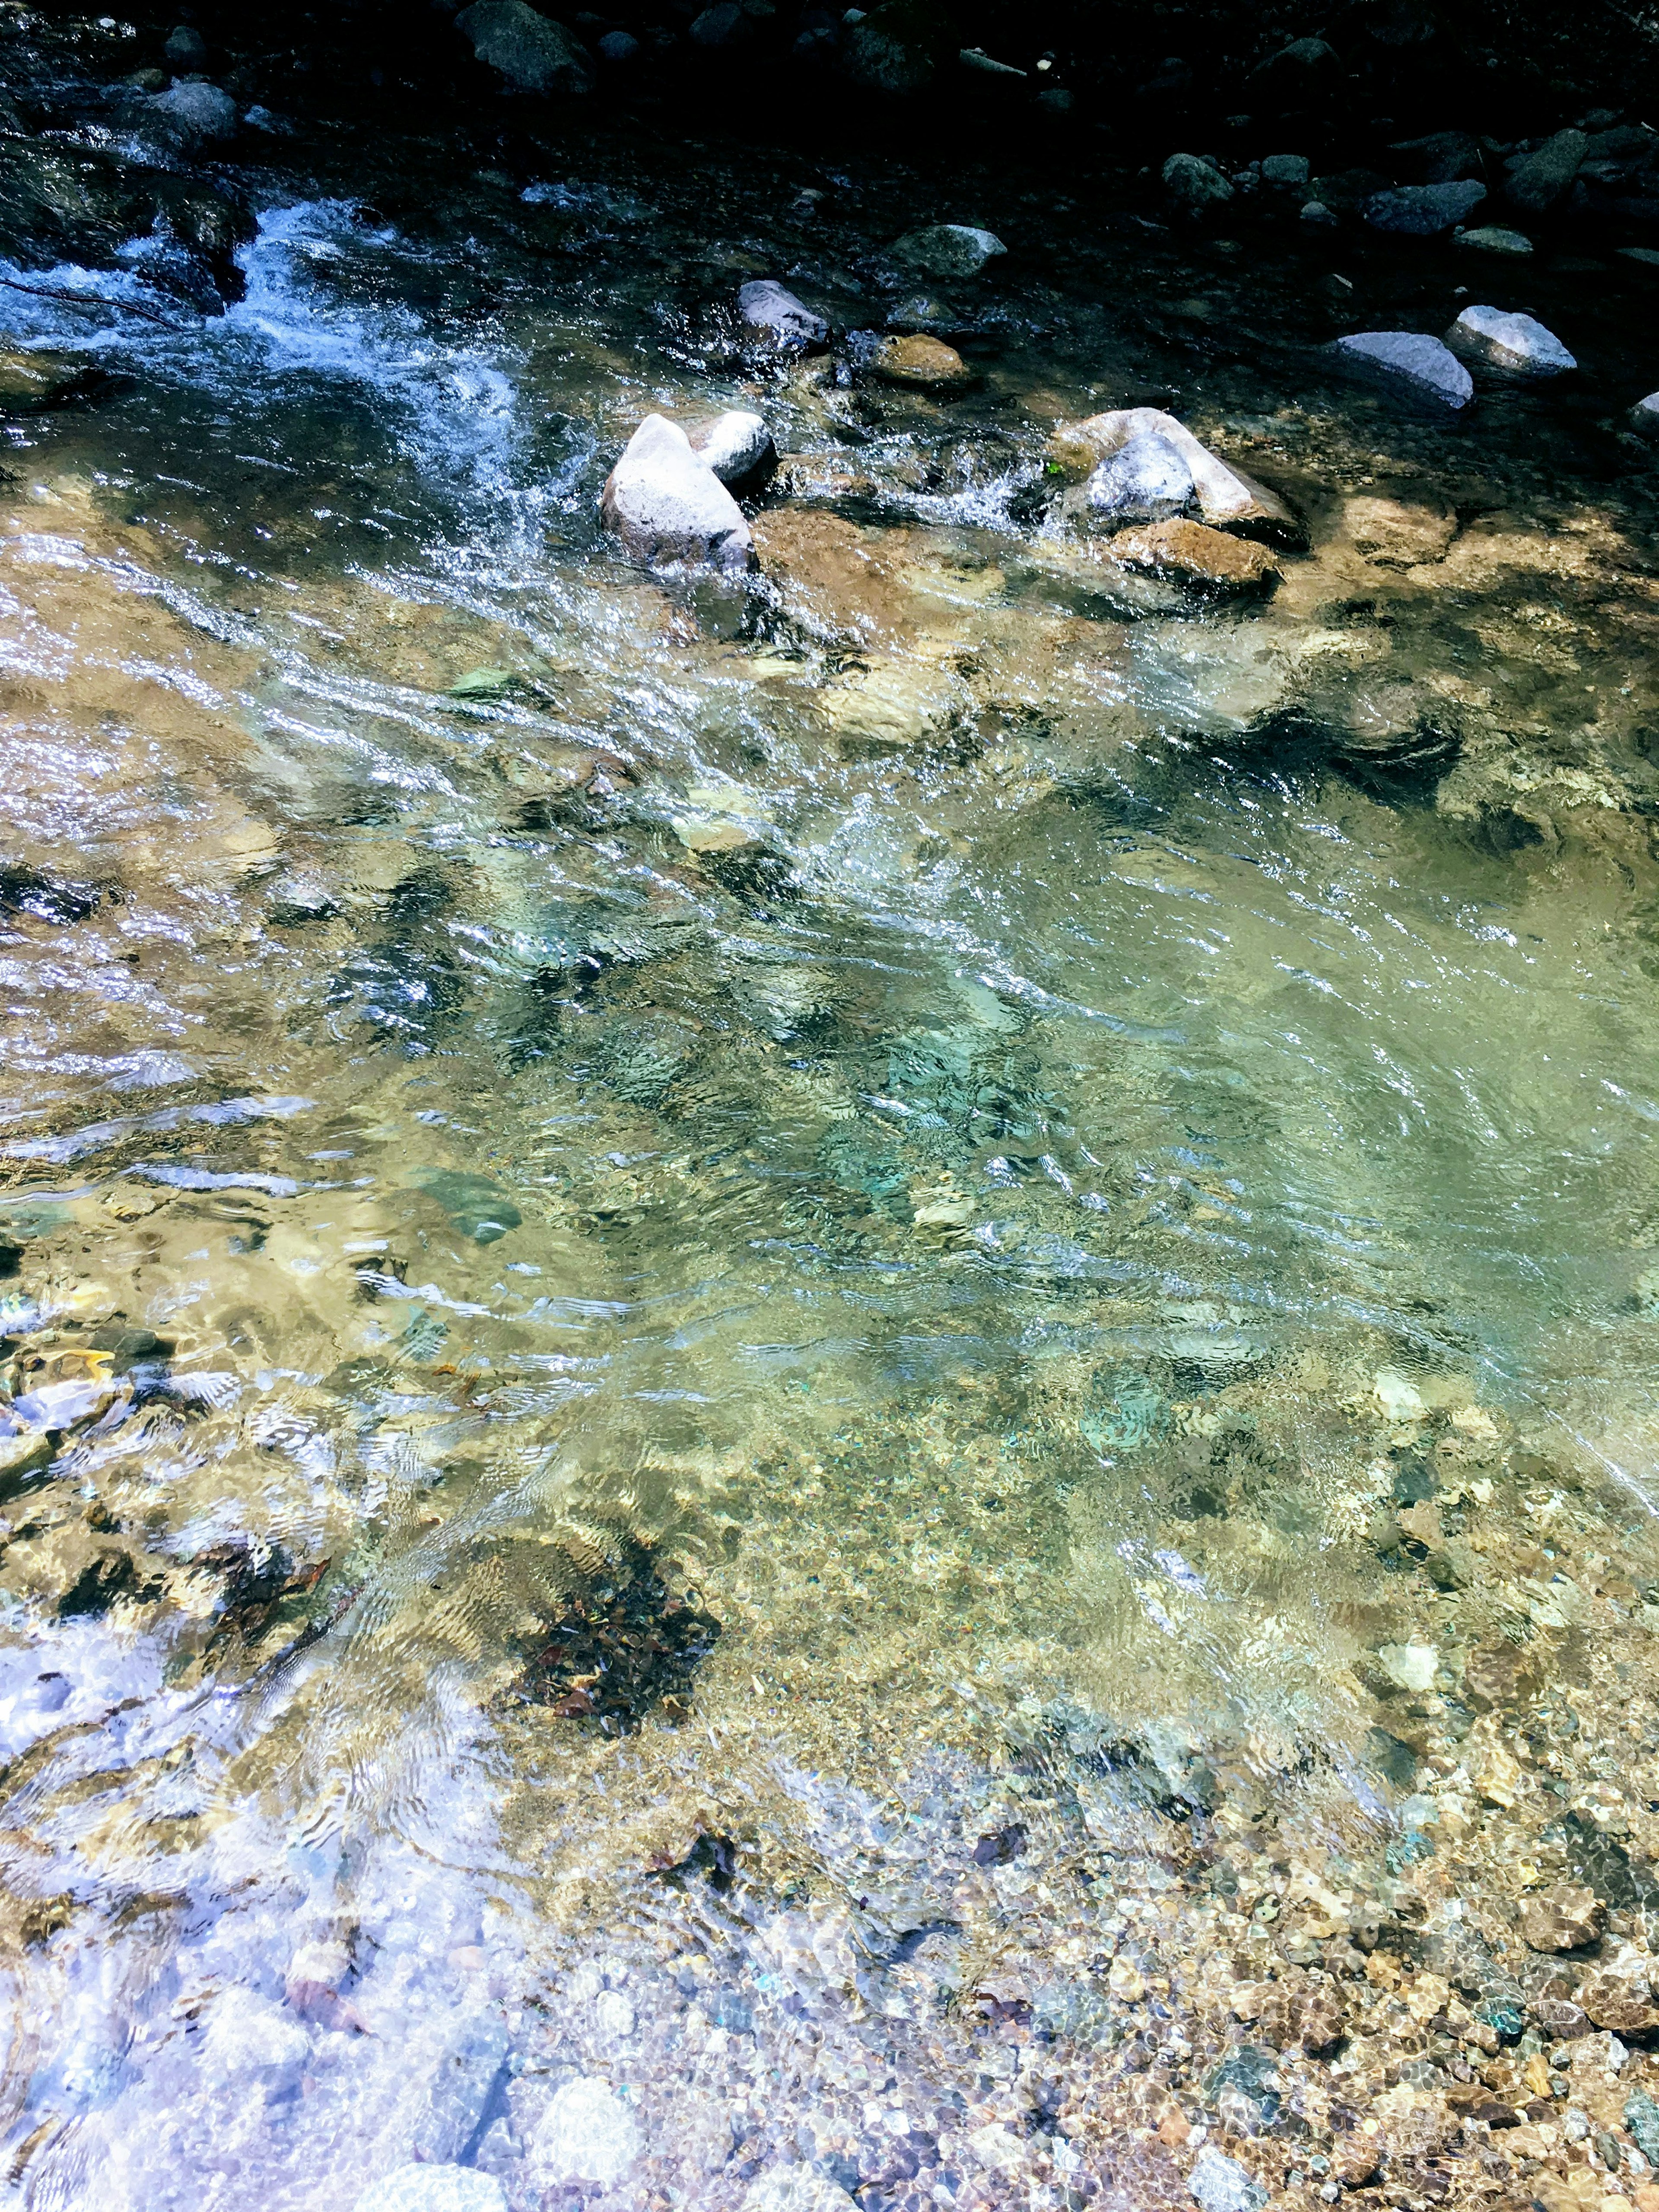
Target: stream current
(741, 1313)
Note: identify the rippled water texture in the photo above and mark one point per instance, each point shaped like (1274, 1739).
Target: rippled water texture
(731, 1275)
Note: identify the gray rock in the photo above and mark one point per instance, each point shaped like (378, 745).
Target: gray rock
(895, 48)
(1146, 480)
(530, 50)
(1537, 180)
(1424, 210)
(1286, 172)
(1195, 185)
(1492, 238)
(586, 2133)
(1221, 2184)
(665, 504)
(947, 249)
(765, 305)
(1315, 212)
(618, 47)
(422, 2188)
(1410, 360)
(192, 115)
(1302, 59)
(737, 446)
(975, 58)
(185, 51)
(1224, 496)
(1644, 417)
(1441, 158)
(1509, 341)
(725, 24)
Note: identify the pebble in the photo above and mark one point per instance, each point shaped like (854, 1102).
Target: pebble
(422, 2188)
(618, 47)
(1316, 212)
(1492, 238)
(1410, 358)
(1561, 1920)
(585, 2134)
(1509, 341)
(1538, 180)
(1195, 554)
(1221, 2184)
(1194, 184)
(1424, 210)
(797, 2189)
(928, 363)
(766, 306)
(948, 249)
(530, 50)
(1286, 171)
(737, 446)
(665, 504)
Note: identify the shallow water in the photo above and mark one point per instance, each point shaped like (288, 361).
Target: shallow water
(931, 1148)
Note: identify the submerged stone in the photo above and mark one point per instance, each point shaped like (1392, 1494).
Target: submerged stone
(1509, 341)
(1220, 2184)
(585, 2134)
(422, 2188)
(927, 364)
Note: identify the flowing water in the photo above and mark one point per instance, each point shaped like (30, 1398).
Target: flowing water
(725, 1297)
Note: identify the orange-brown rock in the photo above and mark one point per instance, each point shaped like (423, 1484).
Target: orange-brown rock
(1195, 554)
(926, 362)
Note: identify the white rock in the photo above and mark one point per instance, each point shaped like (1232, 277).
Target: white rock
(587, 2134)
(736, 445)
(1224, 495)
(248, 2035)
(1410, 1666)
(1645, 416)
(1146, 479)
(1509, 341)
(1400, 1400)
(433, 2188)
(1221, 2184)
(796, 2188)
(613, 2014)
(767, 306)
(665, 504)
(1409, 358)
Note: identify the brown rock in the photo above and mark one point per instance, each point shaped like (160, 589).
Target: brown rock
(1354, 2160)
(1501, 1675)
(1196, 554)
(928, 363)
(1394, 533)
(1609, 2001)
(1563, 1918)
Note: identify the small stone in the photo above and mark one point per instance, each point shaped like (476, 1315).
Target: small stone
(1220, 2184)
(667, 505)
(1563, 1918)
(1492, 238)
(1195, 554)
(1410, 1666)
(1642, 2118)
(925, 363)
(1612, 1999)
(1410, 361)
(1537, 180)
(1648, 256)
(1644, 417)
(1195, 185)
(619, 48)
(947, 249)
(1316, 213)
(586, 2133)
(530, 50)
(421, 2188)
(185, 52)
(1125, 1981)
(1395, 534)
(737, 446)
(1509, 341)
(765, 306)
(1424, 210)
(1286, 172)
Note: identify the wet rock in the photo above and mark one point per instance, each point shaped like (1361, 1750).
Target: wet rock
(1410, 361)
(422, 2188)
(1195, 554)
(74, 203)
(1220, 2184)
(1315, 213)
(1563, 1918)
(1296, 68)
(247, 2036)
(619, 48)
(1195, 185)
(191, 115)
(1509, 341)
(1146, 480)
(1424, 210)
(1644, 417)
(1492, 238)
(947, 249)
(797, 2189)
(1537, 180)
(765, 306)
(725, 24)
(586, 2133)
(31, 382)
(1440, 159)
(897, 47)
(1620, 1997)
(1286, 172)
(530, 50)
(1225, 497)
(1394, 534)
(665, 504)
(186, 50)
(927, 364)
(737, 446)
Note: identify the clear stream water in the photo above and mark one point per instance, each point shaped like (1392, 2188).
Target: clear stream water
(932, 1141)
